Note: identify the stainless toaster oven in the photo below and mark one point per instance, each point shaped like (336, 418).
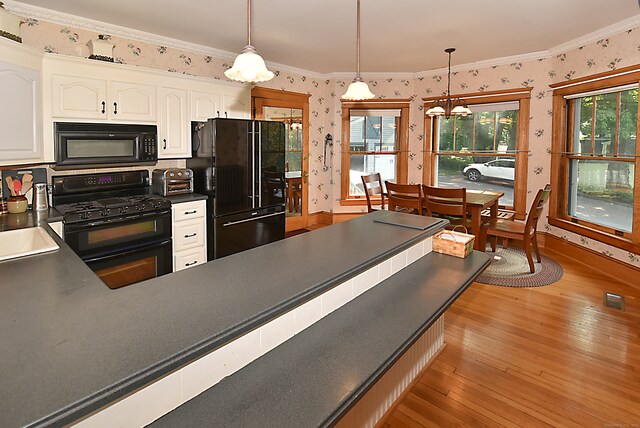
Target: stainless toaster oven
(172, 181)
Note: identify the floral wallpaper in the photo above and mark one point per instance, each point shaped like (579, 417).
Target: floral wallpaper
(609, 53)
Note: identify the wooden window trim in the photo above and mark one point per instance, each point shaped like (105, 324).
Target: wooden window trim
(562, 120)
(523, 96)
(402, 153)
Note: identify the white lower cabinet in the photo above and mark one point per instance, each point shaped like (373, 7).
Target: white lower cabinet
(189, 238)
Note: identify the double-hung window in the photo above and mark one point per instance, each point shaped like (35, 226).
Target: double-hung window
(484, 151)
(374, 139)
(596, 159)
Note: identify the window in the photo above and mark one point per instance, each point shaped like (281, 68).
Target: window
(596, 158)
(374, 140)
(482, 151)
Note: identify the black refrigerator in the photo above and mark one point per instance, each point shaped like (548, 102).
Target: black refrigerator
(239, 165)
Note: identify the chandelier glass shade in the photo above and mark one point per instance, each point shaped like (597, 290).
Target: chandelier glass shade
(249, 66)
(358, 90)
(448, 107)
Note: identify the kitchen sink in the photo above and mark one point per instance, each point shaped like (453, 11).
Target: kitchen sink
(25, 242)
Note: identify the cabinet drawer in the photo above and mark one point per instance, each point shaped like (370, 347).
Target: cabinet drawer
(189, 210)
(189, 258)
(188, 234)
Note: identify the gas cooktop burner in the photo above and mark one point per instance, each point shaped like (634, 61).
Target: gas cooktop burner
(111, 207)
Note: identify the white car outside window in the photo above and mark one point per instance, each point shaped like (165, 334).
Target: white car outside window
(502, 169)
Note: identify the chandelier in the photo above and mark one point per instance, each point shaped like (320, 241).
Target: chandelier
(447, 107)
(249, 66)
(358, 90)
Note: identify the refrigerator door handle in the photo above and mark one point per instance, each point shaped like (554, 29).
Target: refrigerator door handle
(231, 223)
(259, 138)
(252, 193)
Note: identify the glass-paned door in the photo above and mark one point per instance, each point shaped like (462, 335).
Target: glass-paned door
(293, 113)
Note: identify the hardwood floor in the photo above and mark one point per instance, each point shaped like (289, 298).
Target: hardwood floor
(533, 357)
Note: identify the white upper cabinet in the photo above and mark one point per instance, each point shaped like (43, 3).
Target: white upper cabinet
(91, 90)
(174, 126)
(205, 105)
(237, 106)
(20, 113)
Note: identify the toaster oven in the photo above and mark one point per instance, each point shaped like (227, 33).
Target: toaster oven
(172, 181)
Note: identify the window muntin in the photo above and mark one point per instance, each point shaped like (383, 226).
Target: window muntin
(467, 147)
(600, 155)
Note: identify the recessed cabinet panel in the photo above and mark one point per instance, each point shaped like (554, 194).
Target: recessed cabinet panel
(79, 97)
(19, 113)
(204, 105)
(236, 107)
(132, 101)
(173, 129)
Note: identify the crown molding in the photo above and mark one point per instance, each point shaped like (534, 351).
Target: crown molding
(99, 27)
(603, 33)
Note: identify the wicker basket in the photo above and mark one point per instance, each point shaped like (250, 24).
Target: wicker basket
(453, 243)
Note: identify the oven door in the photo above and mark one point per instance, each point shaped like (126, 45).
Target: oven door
(105, 237)
(134, 265)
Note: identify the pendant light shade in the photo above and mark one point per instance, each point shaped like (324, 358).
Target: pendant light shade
(448, 107)
(249, 66)
(358, 89)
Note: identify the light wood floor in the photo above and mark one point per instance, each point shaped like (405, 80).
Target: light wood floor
(547, 356)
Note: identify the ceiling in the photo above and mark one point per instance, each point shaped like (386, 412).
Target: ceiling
(396, 35)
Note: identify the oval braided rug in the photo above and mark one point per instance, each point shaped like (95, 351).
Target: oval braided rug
(509, 268)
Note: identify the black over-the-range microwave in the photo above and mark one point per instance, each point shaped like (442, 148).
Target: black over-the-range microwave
(85, 145)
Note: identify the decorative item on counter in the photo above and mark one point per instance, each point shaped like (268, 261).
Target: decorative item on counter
(9, 25)
(101, 49)
(20, 182)
(40, 201)
(453, 243)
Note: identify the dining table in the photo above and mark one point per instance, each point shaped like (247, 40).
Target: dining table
(477, 201)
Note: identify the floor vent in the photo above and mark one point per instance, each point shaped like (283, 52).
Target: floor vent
(614, 301)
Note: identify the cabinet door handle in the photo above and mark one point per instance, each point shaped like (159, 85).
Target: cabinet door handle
(190, 236)
(191, 264)
(225, 114)
(218, 113)
(164, 146)
(115, 108)
(104, 107)
(190, 212)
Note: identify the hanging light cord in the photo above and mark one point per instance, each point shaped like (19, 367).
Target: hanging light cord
(449, 50)
(249, 23)
(358, 43)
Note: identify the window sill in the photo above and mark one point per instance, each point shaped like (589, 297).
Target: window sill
(357, 202)
(598, 235)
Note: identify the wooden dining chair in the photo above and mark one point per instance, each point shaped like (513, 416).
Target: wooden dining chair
(374, 187)
(525, 232)
(448, 203)
(404, 197)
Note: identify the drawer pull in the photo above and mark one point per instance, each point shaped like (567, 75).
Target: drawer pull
(192, 263)
(190, 212)
(190, 236)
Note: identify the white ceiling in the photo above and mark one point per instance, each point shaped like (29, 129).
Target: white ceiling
(396, 35)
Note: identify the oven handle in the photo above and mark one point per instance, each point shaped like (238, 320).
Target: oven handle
(130, 250)
(231, 223)
(128, 217)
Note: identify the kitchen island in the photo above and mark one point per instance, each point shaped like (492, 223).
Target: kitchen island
(72, 346)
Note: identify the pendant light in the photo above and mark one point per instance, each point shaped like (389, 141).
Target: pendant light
(447, 107)
(358, 89)
(249, 66)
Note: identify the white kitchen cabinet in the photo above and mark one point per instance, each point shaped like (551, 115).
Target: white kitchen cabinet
(174, 125)
(236, 106)
(189, 237)
(205, 105)
(79, 97)
(20, 113)
(217, 99)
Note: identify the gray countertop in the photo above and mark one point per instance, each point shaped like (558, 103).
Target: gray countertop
(316, 376)
(72, 345)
